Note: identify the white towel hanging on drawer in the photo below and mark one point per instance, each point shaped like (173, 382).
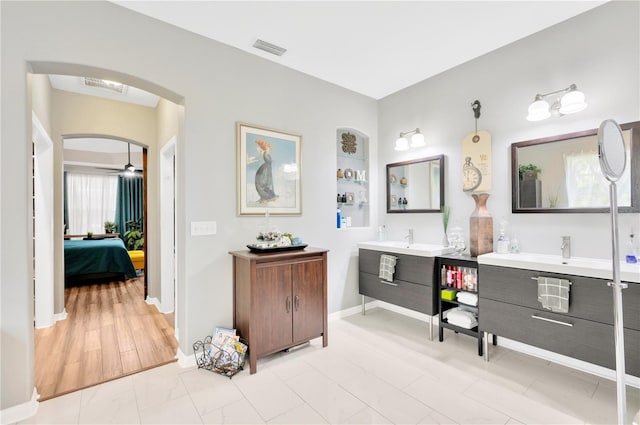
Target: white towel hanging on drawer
(553, 293)
(387, 267)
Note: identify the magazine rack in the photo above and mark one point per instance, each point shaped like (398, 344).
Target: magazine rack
(218, 359)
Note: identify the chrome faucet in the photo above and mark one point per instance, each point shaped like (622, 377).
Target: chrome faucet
(566, 247)
(409, 237)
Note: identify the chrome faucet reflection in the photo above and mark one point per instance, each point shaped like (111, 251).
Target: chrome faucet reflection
(566, 247)
(409, 237)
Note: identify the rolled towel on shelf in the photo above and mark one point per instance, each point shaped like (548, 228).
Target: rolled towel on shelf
(553, 293)
(387, 267)
(467, 298)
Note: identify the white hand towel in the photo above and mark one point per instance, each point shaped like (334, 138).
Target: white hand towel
(387, 267)
(553, 294)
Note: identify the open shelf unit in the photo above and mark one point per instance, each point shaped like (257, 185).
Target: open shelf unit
(466, 281)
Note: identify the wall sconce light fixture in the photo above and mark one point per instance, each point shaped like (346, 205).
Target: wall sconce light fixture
(571, 102)
(417, 140)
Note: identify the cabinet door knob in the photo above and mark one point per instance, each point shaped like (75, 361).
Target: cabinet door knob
(288, 304)
(297, 302)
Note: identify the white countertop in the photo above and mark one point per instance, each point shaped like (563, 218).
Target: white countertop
(399, 247)
(578, 266)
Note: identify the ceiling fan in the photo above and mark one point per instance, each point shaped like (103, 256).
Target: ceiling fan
(129, 170)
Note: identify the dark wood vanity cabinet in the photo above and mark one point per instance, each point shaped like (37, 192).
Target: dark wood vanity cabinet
(509, 307)
(412, 285)
(279, 299)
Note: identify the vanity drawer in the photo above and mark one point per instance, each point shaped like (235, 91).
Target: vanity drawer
(582, 339)
(406, 294)
(409, 268)
(589, 298)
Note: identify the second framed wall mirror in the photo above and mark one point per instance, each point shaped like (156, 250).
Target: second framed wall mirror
(416, 186)
(561, 174)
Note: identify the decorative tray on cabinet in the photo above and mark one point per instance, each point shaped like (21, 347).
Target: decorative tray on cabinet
(262, 249)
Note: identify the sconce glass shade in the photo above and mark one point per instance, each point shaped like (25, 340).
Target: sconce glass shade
(538, 110)
(402, 144)
(572, 102)
(417, 140)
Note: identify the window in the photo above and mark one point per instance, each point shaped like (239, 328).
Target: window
(587, 186)
(91, 200)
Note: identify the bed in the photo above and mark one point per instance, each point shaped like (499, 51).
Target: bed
(103, 258)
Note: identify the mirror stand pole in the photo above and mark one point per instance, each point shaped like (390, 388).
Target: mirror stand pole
(617, 309)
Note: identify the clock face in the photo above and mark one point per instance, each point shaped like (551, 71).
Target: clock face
(471, 178)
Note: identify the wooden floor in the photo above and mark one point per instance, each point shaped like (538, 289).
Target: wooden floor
(109, 332)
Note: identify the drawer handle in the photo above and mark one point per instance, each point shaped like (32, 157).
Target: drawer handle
(551, 320)
(388, 283)
(288, 304)
(297, 303)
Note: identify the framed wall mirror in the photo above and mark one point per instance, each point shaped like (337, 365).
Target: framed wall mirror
(561, 174)
(416, 186)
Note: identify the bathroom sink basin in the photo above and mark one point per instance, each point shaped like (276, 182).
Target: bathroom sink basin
(400, 247)
(579, 266)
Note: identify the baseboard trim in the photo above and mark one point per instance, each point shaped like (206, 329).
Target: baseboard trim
(20, 412)
(520, 347)
(153, 301)
(185, 360)
(60, 316)
(563, 360)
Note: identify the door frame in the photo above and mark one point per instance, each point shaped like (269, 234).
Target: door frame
(44, 314)
(168, 226)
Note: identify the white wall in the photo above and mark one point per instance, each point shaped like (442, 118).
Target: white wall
(599, 51)
(217, 86)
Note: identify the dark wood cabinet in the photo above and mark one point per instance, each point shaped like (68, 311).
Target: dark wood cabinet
(280, 299)
(412, 285)
(509, 307)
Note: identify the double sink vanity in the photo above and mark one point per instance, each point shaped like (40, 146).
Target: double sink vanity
(508, 303)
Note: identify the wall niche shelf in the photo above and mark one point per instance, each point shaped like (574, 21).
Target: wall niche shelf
(352, 176)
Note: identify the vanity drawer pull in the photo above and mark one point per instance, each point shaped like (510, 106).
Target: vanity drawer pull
(533, 316)
(388, 283)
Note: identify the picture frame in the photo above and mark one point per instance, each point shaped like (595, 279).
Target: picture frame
(269, 170)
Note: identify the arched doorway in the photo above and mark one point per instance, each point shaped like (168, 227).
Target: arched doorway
(59, 230)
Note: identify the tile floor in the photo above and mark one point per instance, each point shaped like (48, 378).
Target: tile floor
(378, 369)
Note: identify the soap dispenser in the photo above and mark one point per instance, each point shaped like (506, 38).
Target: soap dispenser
(630, 252)
(503, 239)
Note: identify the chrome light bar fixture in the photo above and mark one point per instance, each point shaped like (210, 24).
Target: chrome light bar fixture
(417, 140)
(572, 101)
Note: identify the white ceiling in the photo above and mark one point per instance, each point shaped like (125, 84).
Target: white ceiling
(371, 47)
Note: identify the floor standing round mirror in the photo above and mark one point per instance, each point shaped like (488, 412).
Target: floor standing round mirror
(613, 160)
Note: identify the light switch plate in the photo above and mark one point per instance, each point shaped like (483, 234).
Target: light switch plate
(203, 228)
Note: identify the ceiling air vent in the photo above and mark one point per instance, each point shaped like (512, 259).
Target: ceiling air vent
(269, 48)
(105, 84)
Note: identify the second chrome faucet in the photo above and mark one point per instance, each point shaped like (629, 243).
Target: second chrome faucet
(566, 247)
(409, 237)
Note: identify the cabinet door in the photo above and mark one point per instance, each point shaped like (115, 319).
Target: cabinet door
(272, 305)
(308, 305)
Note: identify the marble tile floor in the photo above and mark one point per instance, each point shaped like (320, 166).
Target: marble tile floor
(378, 369)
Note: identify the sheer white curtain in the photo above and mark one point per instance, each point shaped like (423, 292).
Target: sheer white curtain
(91, 201)
(587, 186)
